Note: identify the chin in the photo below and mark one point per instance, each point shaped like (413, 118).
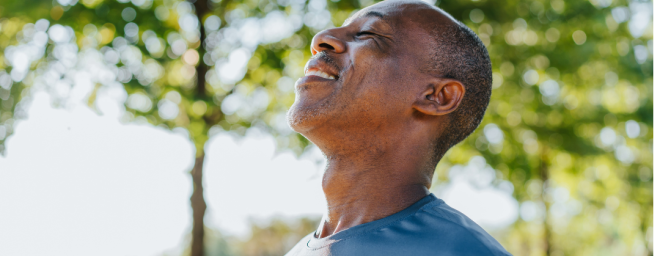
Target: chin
(299, 119)
(307, 119)
(308, 113)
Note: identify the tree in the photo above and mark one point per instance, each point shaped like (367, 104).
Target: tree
(569, 126)
(155, 56)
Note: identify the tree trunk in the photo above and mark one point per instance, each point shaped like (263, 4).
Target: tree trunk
(201, 9)
(197, 199)
(198, 207)
(545, 177)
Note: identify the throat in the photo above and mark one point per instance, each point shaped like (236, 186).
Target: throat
(358, 194)
(372, 175)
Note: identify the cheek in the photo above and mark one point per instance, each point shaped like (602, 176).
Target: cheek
(384, 76)
(375, 80)
(382, 91)
(371, 65)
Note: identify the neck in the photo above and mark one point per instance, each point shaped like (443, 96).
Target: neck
(366, 185)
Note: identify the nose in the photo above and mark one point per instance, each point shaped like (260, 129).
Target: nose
(326, 41)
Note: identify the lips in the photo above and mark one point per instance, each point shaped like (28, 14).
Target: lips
(319, 70)
(316, 72)
(323, 66)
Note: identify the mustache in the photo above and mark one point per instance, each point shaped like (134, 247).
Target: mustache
(323, 56)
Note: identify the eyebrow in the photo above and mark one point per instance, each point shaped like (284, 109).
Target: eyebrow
(374, 14)
(368, 14)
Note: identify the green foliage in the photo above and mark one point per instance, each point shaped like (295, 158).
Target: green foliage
(569, 124)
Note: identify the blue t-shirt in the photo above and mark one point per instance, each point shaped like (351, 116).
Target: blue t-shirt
(428, 227)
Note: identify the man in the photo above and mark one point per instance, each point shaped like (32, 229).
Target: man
(384, 97)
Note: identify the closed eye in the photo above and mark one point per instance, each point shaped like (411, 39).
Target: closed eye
(364, 33)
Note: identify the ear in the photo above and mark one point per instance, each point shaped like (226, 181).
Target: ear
(442, 96)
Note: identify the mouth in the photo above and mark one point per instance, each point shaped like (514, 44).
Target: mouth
(321, 65)
(319, 70)
(319, 73)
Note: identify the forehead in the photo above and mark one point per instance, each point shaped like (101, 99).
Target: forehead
(404, 14)
(379, 11)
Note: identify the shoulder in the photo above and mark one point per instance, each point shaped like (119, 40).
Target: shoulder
(464, 235)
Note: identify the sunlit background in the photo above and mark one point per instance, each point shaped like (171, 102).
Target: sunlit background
(102, 118)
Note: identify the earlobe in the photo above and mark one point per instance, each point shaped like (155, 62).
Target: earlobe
(440, 97)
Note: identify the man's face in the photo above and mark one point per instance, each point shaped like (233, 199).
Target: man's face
(365, 75)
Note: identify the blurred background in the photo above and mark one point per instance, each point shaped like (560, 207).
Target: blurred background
(157, 127)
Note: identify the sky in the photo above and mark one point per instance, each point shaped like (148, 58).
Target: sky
(77, 180)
